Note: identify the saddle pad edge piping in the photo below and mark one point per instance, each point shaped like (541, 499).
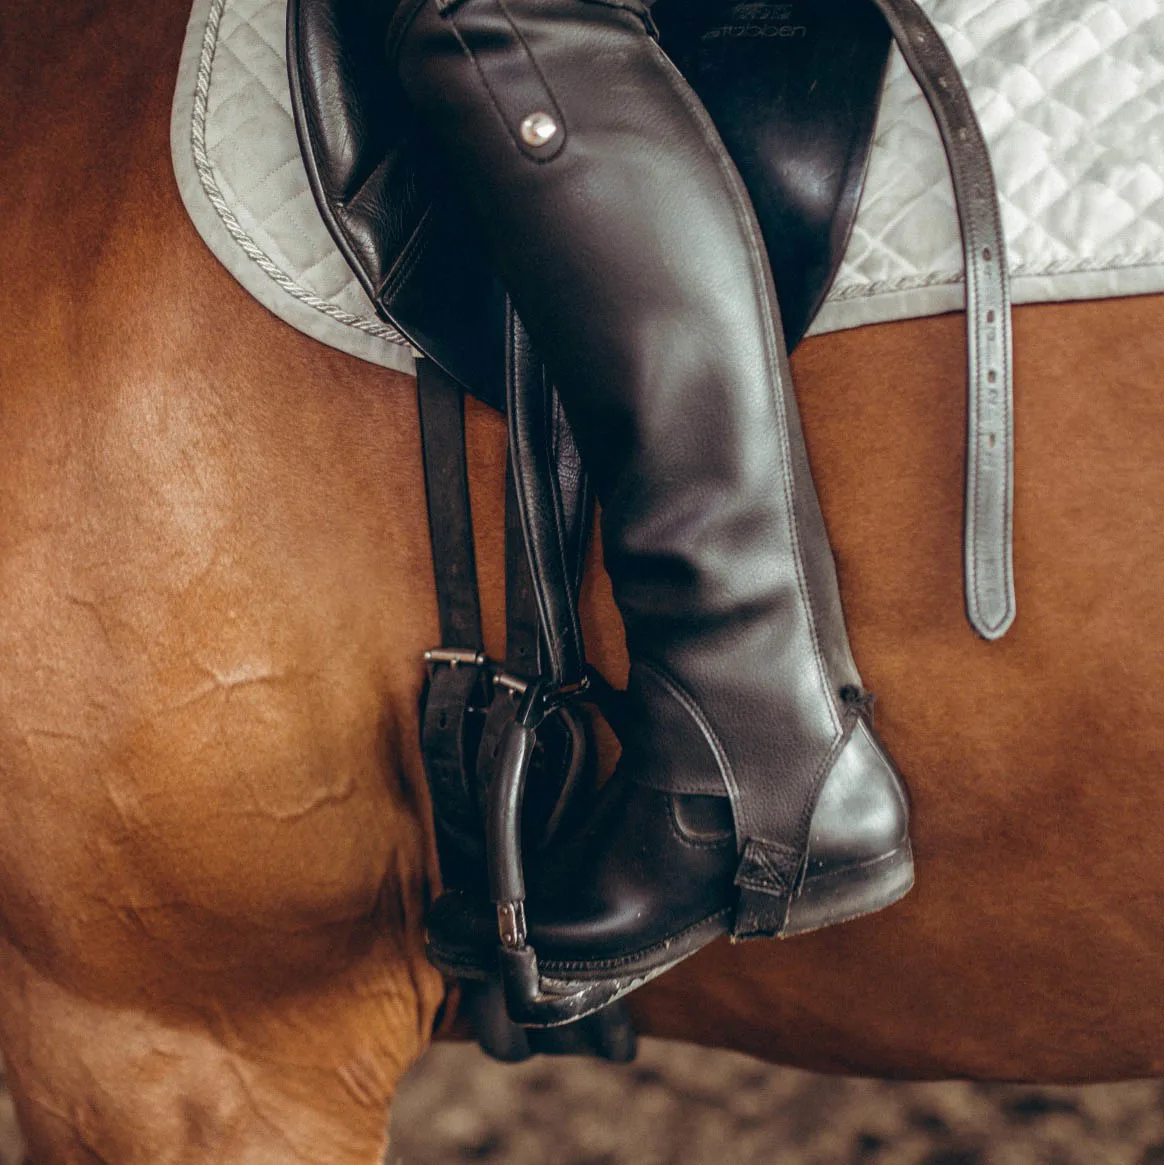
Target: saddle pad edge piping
(365, 338)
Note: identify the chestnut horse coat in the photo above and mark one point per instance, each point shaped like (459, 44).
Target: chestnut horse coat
(214, 594)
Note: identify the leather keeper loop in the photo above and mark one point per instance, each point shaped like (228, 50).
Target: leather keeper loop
(765, 878)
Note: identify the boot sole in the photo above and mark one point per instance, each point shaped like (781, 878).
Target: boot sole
(823, 901)
(829, 899)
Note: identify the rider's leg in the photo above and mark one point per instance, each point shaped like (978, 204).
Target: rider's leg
(752, 794)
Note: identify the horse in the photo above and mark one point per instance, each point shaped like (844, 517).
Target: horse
(215, 593)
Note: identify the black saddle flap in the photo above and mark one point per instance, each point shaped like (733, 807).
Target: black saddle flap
(793, 89)
(383, 197)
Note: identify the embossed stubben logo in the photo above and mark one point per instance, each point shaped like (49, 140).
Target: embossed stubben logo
(759, 21)
(760, 11)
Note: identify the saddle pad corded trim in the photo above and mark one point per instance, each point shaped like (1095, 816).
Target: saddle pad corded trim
(287, 261)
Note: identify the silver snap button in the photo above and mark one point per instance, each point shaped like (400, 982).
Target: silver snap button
(538, 128)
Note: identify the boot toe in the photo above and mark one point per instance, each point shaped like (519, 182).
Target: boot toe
(859, 855)
(862, 813)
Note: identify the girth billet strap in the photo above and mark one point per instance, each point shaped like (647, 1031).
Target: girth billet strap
(989, 506)
(457, 692)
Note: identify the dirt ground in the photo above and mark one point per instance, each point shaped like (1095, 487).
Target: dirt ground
(678, 1105)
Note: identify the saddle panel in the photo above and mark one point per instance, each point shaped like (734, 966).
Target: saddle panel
(383, 197)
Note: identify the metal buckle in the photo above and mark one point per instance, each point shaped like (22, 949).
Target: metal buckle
(454, 657)
(515, 685)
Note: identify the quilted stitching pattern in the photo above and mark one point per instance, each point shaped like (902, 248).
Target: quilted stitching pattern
(251, 143)
(1070, 94)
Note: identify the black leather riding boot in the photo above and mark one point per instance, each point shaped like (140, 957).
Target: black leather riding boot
(752, 796)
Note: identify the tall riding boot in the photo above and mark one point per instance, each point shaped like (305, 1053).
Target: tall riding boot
(752, 796)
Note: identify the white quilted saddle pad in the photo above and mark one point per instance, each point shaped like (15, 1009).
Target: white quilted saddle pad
(1070, 94)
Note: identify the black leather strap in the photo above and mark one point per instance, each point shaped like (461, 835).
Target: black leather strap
(452, 710)
(521, 613)
(446, 483)
(531, 415)
(452, 720)
(989, 571)
(546, 518)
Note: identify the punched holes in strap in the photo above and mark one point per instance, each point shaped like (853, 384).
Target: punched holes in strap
(451, 725)
(989, 570)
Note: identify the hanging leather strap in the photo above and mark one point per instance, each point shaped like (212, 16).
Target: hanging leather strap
(453, 704)
(989, 505)
(521, 612)
(446, 482)
(530, 410)
(546, 519)
(466, 701)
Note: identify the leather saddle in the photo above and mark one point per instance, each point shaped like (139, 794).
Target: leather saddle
(795, 101)
(794, 90)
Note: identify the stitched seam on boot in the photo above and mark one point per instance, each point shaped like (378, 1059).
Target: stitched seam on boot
(494, 101)
(733, 182)
(400, 25)
(687, 702)
(707, 841)
(848, 727)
